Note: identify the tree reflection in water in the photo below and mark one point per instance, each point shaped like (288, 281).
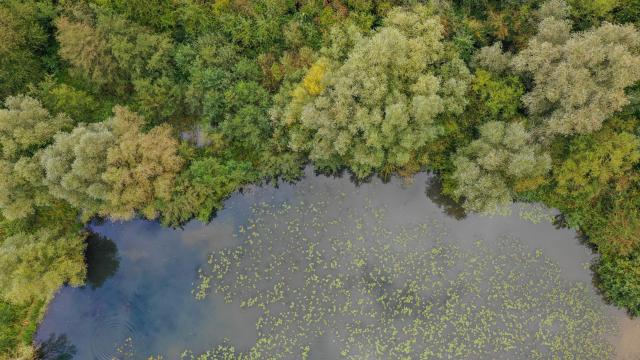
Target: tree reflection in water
(56, 348)
(102, 259)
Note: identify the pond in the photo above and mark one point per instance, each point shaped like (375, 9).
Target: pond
(326, 269)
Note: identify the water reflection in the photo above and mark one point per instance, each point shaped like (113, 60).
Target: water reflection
(56, 348)
(103, 260)
(444, 202)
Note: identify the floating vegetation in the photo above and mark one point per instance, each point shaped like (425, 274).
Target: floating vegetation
(535, 213)
(332, 279)
(126, 350)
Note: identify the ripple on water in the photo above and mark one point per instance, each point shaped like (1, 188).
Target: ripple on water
(111, 331)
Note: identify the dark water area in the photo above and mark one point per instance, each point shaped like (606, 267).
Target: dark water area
(145, 282)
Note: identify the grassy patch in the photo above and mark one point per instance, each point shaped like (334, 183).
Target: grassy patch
(18, 325)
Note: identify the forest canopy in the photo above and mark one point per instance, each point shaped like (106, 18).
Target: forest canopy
(162, 109)
(373, 103)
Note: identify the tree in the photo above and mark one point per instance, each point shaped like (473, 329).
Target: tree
(123, 58)
(580, 79)
(112, 168)
(589, 13)
(227, 93)
(373, 103)
(247, 123)
(597, 162)
(25, 128)
(492, 58)
(224, 84)
(619, 279)
(495, 97)
(23, 43)
(63, 98)
(596, 188)
(74, 165)
(489, 171)
(619, 233)
(140, 168)
(628, 11)
(39, 263)
(201, 189)
(89, 51)
(159, 14)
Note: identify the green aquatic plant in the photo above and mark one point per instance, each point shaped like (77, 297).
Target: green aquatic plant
(535, 213)
(322, 270)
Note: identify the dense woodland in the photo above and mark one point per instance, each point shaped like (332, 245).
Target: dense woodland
(162, 108)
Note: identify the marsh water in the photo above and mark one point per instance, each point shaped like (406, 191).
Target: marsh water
(326, 269)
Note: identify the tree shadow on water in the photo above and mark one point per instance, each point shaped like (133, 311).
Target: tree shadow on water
(447, 204)
(102, 260)
(560, 221)
(55, 348)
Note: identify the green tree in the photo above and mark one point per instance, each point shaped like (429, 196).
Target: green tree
(628, 11)
(89, 52)
(17, 328)
(595, 186)
(24, 44)
(158, 14)
(596, 163)
(248, 122)
(618, 233)
(579, 78)
(490, 170)
(39, 263)
(25, 128)
(619, 279)
(63, 98)
(224, 90)
(123, 58)
(495, 97)
(589, 13)
(201, 189)
(373, 103)
(227, 92)
(488, 21)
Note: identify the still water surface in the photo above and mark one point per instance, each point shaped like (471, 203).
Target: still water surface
(143, 279)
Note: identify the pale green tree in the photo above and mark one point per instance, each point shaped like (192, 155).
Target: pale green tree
(373, 103)
(580, 78)
(140, 168)
(112, 168)
(74, 165)
(25, 128)
(492, 58)
(490, 170)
